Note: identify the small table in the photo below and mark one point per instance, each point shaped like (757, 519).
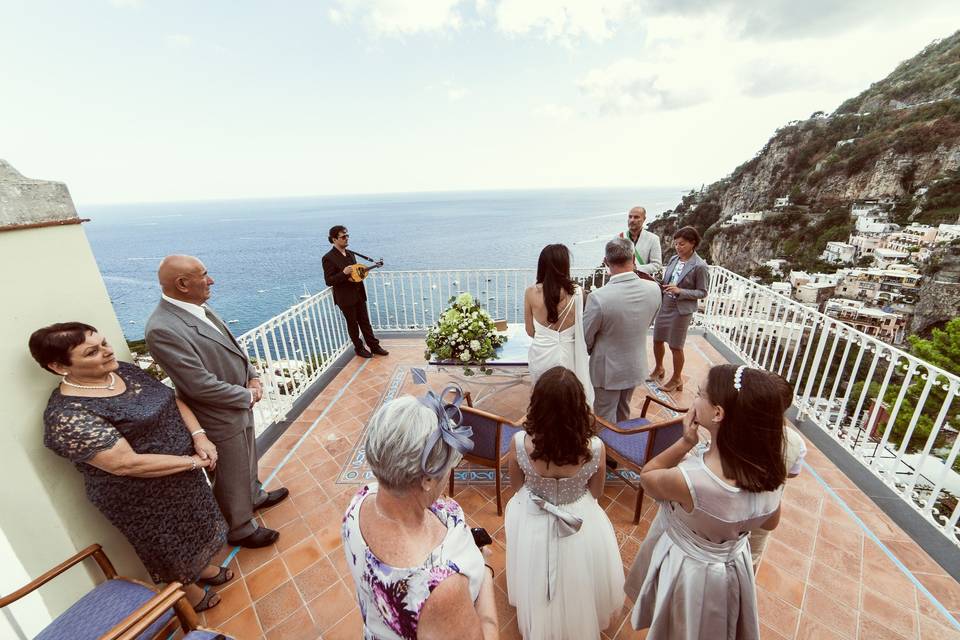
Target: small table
(509, 365)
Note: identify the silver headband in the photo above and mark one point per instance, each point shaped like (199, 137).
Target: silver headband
(738, 378)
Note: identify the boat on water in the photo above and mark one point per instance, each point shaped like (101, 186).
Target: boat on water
(306, 294)
(232, 321)
(261, 290)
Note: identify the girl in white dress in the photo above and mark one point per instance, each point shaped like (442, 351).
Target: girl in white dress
(564, 572)
(553, 315)
(693, 576)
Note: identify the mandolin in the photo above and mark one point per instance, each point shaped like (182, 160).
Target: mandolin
(358, 272)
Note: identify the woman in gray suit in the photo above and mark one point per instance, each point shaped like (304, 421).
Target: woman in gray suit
(685, 281)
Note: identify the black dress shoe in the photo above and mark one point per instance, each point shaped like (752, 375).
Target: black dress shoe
(274, 497)
(380, 351)
(363, 353)
(262, 537)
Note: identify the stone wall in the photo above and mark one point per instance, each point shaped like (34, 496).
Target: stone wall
(27, 201)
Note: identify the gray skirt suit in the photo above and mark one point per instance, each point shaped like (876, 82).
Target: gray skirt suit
(676, 312)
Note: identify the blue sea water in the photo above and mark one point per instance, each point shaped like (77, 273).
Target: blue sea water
(262, 254)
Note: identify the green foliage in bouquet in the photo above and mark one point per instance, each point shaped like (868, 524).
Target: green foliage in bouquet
(465, 334)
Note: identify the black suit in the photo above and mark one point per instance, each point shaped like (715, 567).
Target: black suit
(350, 296)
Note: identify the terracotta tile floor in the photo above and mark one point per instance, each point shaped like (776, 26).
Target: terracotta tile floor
(821, 576)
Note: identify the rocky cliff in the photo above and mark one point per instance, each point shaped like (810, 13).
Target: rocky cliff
(899, 139)
(939, 298)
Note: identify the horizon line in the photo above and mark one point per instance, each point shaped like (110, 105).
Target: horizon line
(77, 204)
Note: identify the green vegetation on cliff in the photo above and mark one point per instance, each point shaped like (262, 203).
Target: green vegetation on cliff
(897, 139)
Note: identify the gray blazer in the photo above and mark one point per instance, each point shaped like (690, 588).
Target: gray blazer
(615, 324)
(694, 280)
(208, 368)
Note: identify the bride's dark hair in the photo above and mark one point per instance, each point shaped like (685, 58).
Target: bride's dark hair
(558, 419)
(553, 272)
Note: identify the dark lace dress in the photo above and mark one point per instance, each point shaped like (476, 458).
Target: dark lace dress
(173, 522)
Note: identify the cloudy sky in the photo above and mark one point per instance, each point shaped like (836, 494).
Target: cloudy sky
(158, 100)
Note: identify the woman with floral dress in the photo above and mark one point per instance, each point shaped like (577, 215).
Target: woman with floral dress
(418, 572)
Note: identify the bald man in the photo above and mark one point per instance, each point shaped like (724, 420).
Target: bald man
(647, 256)
(214, 377)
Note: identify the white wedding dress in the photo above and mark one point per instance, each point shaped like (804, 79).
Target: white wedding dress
(567, 348)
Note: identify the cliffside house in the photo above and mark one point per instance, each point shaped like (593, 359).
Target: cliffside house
(948, 233)
(783, 288)
(744, 217)
(776, 265)
(885, 258)
(865, 245)
(875, 208)
(881, 286)
(839, 253)
(815, 294)
(781, 203)
(889, 327)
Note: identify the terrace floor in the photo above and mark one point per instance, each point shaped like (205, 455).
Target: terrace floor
(821, 577)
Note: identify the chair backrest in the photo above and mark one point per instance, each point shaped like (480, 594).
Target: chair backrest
(486, 427)
(664, 437)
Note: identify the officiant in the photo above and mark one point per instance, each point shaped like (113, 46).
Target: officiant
(349, 296)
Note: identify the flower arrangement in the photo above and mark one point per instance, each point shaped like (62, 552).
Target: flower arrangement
(466, 334)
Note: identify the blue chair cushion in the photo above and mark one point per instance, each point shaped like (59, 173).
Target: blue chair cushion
(100, 610)
(203, 634)
(632, 446)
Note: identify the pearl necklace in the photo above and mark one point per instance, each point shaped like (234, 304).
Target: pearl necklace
(110, 385)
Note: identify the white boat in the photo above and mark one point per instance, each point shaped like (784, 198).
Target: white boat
(232, 321)
(306, 294)
(261, 290)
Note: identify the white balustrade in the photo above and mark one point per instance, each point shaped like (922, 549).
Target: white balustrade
(866, 394)
(291, 351)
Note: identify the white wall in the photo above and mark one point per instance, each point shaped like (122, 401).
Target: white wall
(47, 275)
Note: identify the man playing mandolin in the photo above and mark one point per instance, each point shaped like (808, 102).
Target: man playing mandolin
(340, 271)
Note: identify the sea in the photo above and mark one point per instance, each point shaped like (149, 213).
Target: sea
(264, 254)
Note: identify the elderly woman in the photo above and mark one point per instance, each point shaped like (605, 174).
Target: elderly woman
(685, 280)
(141, 453)
(418, 572)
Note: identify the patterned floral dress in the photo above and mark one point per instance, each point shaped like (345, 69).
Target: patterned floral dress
(391, 598)
(173, 521)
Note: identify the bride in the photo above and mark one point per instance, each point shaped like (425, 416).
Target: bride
(553, 314)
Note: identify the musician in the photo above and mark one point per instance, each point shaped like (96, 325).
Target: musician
(350, 296)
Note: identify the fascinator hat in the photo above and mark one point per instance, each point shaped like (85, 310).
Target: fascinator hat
(456, 437)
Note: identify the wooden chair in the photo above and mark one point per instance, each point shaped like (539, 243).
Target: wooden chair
(107, 604)
(632, 443)
(492, 435)
(170, 598)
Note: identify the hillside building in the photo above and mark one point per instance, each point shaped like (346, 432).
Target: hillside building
(886, 258)
(887, 326)
(839, 253)
(744, 217)
(948, 232)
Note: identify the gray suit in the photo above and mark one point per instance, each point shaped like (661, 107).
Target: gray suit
(615, 324)
(211, 372)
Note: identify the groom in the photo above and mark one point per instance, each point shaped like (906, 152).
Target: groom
(615, 326)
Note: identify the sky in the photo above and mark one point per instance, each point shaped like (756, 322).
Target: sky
(170, 100)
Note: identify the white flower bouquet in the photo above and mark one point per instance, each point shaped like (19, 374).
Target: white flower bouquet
(465, 334)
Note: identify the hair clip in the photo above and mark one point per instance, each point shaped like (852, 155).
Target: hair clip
(738, 378)
(450, 427)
